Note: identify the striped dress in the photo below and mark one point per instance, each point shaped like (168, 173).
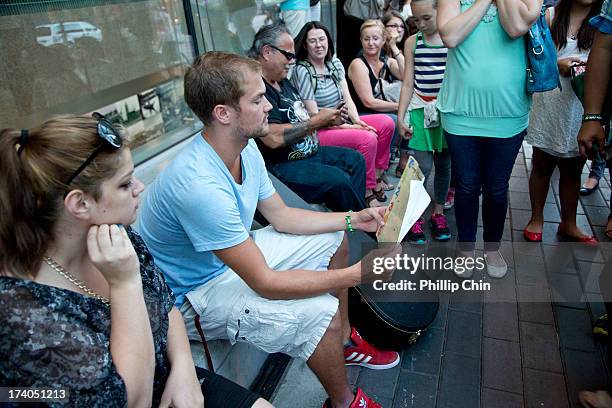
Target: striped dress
(429, 66)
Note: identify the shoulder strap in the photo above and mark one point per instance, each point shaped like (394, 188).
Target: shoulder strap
(311, 73)
(209, 361)
(333, 71)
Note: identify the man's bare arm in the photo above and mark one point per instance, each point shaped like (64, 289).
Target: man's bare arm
(287, 134)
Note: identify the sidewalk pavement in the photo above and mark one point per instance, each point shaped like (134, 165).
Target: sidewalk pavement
(501, 354)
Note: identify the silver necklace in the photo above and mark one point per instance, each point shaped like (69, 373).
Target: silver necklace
(80, 284)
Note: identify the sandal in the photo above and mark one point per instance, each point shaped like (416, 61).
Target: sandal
(399, 171)
(595, 399)
(370, 198)
(380, 195)
(385, 184)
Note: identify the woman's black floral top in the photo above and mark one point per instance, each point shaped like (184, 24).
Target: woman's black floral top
(57, 338)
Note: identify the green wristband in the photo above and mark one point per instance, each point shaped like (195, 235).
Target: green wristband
(347, 221)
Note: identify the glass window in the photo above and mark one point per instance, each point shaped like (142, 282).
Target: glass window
(126, 59)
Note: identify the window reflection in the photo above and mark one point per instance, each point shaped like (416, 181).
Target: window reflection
(80, 58)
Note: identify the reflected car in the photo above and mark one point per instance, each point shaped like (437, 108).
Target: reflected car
(66, 33)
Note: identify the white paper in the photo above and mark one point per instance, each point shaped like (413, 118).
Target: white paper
(418, 201)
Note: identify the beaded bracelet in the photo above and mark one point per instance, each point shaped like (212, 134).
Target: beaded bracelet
(347, 221)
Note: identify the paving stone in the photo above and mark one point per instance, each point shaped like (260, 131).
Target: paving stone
(531, 271)
(464, 332)
(574, 328)
(501, 361)
(584, 371)
(550, 197)
(533, 293)
(567, 291)
(544, 389)
(352, 374)
(424, 356)
(491, 398)
(597, 215)
(522, 248)
(588, 253)
(536, 312)
(580, 209)
(519, 201)
(441, 318)
(589, 273)
(466, 301)
(540, 347)
(415, 390)
(502, 290)
(520, 218)
(551, 213)
(519, 171)
(500, 321)
(519, 184)
(460, 382)
(594, 199)
(605, 192)
(596, 306)
(379, 383)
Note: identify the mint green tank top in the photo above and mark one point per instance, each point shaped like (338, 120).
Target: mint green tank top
(484, 88)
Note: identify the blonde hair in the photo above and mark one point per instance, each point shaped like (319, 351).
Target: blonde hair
(372, 23)
(33, 176)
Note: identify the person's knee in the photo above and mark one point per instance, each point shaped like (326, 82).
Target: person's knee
(262, 403)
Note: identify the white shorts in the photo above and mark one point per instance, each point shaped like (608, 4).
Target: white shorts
(230, 309)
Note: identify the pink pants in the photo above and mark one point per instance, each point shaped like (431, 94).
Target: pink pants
(375, 147)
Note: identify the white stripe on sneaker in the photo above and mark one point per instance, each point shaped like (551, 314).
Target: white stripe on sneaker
(349, 358)
(367, 359)
(358, 359)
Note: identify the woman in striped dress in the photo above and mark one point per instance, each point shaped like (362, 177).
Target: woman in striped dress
(417, 117)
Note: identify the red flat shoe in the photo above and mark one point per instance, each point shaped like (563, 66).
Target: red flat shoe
(587, 239)
(532, 236)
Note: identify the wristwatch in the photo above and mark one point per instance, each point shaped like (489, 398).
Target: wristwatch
(592, 117)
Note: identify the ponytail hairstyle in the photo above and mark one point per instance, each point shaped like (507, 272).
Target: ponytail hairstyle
(35, 165)
(560, 25)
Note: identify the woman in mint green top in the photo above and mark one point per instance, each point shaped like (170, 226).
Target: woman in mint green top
(484, 110)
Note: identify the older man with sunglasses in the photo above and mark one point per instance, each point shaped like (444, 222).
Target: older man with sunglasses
(329, 175)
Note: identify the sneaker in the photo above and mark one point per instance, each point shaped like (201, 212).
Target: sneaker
(361, 401)
(364, 354)
(450, 199)
(439, 226)
(600, 330)
(416, 234)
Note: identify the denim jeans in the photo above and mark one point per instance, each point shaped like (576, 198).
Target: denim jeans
(482, 164)
(334, 176)
(598, 166)
(442, 162)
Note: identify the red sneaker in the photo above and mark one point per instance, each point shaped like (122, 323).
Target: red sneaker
(364, 354)
(361, 401)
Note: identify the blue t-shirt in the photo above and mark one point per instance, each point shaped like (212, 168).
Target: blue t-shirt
(195, 207)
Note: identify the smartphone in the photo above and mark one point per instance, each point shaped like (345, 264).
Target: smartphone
(340, 105)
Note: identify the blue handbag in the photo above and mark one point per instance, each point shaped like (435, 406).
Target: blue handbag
(542, 70)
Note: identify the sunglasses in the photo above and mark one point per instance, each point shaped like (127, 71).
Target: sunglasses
(109, 137)
(289, 55)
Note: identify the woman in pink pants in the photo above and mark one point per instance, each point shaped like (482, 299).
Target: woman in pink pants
(320, 79)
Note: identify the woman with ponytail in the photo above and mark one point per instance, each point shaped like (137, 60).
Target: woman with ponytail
(85, 311)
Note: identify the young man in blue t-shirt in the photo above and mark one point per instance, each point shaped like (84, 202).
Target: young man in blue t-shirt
(196, 222)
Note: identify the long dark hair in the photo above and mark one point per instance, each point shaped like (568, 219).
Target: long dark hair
(560, 25)
(385, 20)
(300, 41)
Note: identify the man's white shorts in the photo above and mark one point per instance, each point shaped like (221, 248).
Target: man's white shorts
(230, 309)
